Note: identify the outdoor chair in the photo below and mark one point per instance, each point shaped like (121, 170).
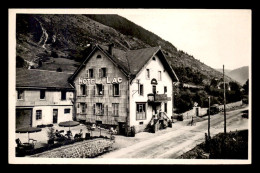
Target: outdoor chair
(25, 146)
(78, 135)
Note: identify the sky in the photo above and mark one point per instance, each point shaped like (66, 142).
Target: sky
(215, 37)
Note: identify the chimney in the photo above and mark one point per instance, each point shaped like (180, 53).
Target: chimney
(110, 48)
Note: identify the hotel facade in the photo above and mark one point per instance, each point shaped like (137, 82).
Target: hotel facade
(123, 88)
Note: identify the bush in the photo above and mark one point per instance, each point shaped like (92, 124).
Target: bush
(133, 131)
(180, 117)
(51, 133)
(59, 69)
(54, 54)
(232, 146)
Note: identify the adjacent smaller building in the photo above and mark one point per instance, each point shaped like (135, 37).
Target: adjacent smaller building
(43, 97)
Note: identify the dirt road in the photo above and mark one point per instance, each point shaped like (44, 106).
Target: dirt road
(173, 142)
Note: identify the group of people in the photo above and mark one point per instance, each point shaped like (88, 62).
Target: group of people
(59, 135)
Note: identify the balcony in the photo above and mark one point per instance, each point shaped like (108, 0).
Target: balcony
(158, 98)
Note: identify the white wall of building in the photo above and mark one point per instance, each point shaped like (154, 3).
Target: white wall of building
(31, 99)
(47, 115)
(166, 80)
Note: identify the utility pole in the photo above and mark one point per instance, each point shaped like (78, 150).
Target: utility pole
(224, 101)
(209, 120)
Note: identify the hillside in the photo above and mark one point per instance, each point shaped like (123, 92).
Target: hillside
(239, 74)
(61, 41)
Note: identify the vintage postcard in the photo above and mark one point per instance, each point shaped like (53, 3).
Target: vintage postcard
(129, 86)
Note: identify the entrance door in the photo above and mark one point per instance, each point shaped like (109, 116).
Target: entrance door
(55, 116)
(121, 128)
(23, 118)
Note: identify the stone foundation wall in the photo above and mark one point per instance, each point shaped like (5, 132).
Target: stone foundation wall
(85, 149)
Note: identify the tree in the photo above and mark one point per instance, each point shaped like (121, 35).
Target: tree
(40, 63)
(19, 62)
(234, 86)
(213, 82)
(246, 87)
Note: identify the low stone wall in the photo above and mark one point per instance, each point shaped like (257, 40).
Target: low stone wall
(203, 111)
(230, 105)
(85, 149)
(192, 113)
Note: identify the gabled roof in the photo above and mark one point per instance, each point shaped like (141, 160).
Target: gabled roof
(42, 79)
(131, 61)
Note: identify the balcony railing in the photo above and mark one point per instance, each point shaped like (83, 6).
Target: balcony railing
(158, 98)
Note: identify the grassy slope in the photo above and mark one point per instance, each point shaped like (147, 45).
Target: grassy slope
(235, 146)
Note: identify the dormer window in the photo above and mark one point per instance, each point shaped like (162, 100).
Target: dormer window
(98, 56)
(102, 72)
(42, 94)
(91, 73)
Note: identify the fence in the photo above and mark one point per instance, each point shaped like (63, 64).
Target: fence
(203, 111)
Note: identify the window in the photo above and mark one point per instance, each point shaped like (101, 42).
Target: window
(102, 72)
(154, 89)
(154, 58)
(165, 89)
(42, 94)
(165, 107)
(148, 73)
(115, 107)
(100, 89)
(141, 89)
(99, 109)
(63, 95)
(159, 75)
(20, 94)
(38, 114)
(116, 90)
(83, 107)
(66, 111)
(91, 73)
(98, 56)
(83, 89)
(140, 111)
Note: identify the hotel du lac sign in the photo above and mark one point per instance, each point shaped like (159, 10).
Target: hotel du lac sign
(86, 81)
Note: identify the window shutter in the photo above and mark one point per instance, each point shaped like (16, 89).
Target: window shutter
(93, 73)
(120, 88)
(102, 109)
(94, 109)
(87, 73)
(78, 90)
(111, 90)
(86, 88)
(78, 108)
(99, 73)
(94, 90)
(103, 91)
